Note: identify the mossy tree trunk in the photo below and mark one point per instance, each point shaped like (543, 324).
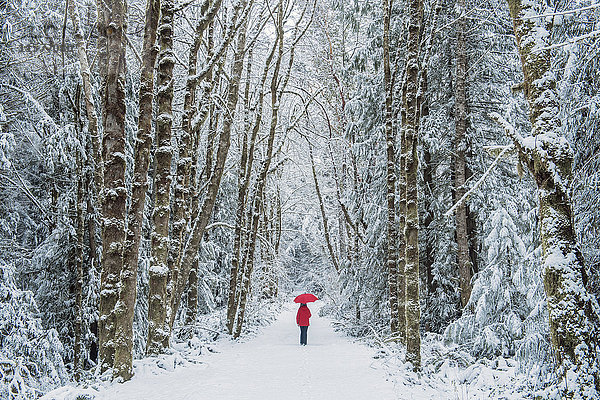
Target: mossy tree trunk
(391, 249)
(113, 154)
(573, 312)
(410, 126)
(158, 331)
(123, 365)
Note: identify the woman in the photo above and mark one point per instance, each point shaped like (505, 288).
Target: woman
(302, 320)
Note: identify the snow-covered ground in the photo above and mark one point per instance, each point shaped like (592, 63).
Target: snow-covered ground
(273, 366)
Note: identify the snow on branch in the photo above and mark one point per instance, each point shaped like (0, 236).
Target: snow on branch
(574, 11)
(573, 40)
(505, 150)
(510, 130)
(264, 240)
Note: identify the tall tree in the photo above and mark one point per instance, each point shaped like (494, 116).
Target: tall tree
(135, 215)
(410, 126)
(185, 176)
(278, 85)
(114, 191)
(158, 332)
(391, 253)
(256, 202)
(202, 215)
(460, 167)
(573, 312)
(245, 176)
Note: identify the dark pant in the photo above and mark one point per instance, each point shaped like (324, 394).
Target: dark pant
(303, 331)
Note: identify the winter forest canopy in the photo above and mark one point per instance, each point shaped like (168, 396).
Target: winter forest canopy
(428, 168)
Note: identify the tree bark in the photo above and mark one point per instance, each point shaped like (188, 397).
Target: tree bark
(90, 107)
(391, 252)
(192, 295)
(247, 162)
(201, 220)
(573, 311)
(184, 179)
(158, 329)
(401, 279)
(262, 178)
(115, 192)
(411, 131)
(127, 295)
(78, 221)
(462, 238)
(429, 244)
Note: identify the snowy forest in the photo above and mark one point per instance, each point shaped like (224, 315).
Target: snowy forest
(173, 172)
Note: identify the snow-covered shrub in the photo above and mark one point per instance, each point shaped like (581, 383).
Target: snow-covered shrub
(30, 356)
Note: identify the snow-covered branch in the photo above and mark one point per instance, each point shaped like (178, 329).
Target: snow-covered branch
(572, 40)
(510, 130)
(479, 182)
(576, 10)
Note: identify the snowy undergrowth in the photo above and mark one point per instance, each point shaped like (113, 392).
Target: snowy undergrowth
(451, 373)
(201, 339)
(30, 356)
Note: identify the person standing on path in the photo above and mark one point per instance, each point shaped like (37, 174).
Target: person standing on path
(302, 319)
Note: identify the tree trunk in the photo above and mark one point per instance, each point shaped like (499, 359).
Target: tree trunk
(78, 221)
(192, 295)
(429, 247)
(184, 178)
(80, 224)
(462, 238)
(158, 329)
(201, 220)
(135, 216)
(411, 131)
(323, 215)
(115, 192)
(401, 280)
(262, 178)
(573, 312)
(391, 252)
(88, 96)
(246, 162)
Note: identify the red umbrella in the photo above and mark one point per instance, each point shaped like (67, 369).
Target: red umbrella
(305, 298)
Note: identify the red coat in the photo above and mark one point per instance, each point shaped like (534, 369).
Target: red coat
(303, 316)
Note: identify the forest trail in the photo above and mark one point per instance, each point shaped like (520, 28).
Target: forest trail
(270, 366)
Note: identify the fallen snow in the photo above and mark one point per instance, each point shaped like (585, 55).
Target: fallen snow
(273, 366)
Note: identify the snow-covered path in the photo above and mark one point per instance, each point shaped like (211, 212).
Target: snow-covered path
(270, 366)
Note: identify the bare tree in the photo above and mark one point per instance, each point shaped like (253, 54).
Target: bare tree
(246, 163)
(135, 215)
(185, 177)
(278, 85)
(460, 168)
(391, 251)
(322, 209)
(113, 155)
(202, 215)
(410, 126)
